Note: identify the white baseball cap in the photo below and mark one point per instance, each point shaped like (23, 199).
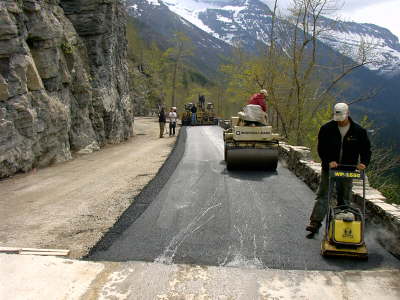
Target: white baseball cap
(340, 112)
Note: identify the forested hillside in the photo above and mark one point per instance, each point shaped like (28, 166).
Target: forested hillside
(160, 69)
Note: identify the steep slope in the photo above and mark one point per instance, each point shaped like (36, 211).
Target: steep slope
(384, 47)
(245, 21)
(249, 21)
(63, 80)
(158, 20)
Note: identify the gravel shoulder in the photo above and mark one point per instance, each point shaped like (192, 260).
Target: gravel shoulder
(71, 205)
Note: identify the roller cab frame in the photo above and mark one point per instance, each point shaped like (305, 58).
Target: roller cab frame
(345, 225)
(250, 147)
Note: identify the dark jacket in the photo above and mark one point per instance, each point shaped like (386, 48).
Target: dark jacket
(161, 117)
(193, 109)
(356, 145)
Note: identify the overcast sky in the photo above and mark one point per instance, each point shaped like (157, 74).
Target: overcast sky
(384, 13)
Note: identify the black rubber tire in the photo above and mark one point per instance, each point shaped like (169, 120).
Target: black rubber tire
(272, 167)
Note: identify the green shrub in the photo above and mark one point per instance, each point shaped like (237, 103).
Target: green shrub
(67, 47)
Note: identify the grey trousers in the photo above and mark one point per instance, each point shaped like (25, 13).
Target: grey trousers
(162, 126)
(343, 195)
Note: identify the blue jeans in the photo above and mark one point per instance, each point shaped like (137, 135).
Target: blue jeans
(194, 119)
(172, 126)
(343, 192)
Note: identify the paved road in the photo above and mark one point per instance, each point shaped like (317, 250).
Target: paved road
(207, 215)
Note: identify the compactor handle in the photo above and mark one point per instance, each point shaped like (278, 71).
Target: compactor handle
(350, 166)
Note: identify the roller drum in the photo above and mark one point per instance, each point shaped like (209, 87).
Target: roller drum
(263, 159)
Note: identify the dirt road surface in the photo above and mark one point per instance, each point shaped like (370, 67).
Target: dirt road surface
(71, 205)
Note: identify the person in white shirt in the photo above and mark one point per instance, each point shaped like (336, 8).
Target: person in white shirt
(172, 117)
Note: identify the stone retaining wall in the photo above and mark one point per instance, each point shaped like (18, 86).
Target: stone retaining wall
(384, 216)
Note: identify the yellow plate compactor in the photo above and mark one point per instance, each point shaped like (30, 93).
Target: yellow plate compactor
(344, 231)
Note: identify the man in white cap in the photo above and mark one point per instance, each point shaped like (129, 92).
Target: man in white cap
(172, 117)
(341, 141)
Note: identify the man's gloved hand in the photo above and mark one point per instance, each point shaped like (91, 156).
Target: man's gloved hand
(361, 167)
(333, 164)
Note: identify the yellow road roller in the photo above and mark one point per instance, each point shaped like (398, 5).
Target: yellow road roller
(248, 146)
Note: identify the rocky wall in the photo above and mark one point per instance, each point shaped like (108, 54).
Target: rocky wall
(63, 80)
(383, 218)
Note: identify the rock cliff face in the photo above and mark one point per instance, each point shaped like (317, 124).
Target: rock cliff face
(63, 80)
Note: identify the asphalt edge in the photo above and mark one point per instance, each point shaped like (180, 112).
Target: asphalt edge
(143, 199)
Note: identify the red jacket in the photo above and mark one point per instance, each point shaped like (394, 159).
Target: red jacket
(259, 99)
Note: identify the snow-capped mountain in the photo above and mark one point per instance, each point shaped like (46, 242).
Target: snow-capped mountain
(249, 22)
(160, 20)
(384, 47)
(228, 20)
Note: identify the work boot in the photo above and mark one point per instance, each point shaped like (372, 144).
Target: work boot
(313, 227)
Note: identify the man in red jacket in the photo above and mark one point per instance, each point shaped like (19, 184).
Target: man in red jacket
(259, 99)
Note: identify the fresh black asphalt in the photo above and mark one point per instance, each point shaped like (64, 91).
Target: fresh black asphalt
(196, 212)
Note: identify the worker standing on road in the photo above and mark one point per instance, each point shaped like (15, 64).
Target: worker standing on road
(194, 114)
(162, 120)
(202, 101)
(172, 117)
(340, 142)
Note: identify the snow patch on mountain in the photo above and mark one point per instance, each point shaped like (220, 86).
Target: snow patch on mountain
(189, 10)
(235, 9)
(382, 47)
(224, 19)
(192, 10)
(154, 2)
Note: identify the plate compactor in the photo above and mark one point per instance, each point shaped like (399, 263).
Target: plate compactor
(249, 146)
(344, 228)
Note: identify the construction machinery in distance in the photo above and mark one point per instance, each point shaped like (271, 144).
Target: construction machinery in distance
(205, 114)
(250, 146)
(187, 115)
(345, 225)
